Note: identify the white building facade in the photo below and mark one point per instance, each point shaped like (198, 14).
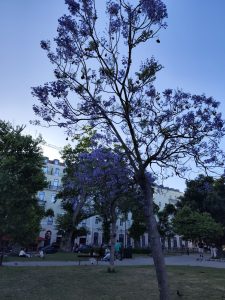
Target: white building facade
(54, 171)
(162, 196)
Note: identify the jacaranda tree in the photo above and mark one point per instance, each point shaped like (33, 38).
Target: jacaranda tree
(102, 179)
(96, 59)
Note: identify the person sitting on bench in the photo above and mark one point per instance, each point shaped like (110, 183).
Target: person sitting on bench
(107, 255)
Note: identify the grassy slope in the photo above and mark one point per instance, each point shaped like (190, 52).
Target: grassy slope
(93, 282)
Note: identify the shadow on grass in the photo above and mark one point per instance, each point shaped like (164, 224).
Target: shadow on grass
(93, 282)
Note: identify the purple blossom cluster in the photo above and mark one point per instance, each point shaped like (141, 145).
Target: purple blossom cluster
(74, 6)
(114, 25)
(45, 45)
(155, 10)
(113, 8)
(42, 93)
(104, 170)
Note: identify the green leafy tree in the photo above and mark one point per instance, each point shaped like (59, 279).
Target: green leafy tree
(72, 216)
(206, 194)
(21, 177)
(68, 227)
(165, 225)
(195, 226)
(137, 229)
(139, 225)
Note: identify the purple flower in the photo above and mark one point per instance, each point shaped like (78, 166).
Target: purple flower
(151, 92)
(73, 6)
(45, 45)
(114, 25)
(41, 92)
(155, 10)
(113, 8)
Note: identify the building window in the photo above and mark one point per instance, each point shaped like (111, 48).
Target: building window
(121, 222)
(41, 196)
(45, 170)
(56, 162)
(121, 238)
(53, 198)
(143, 241)
(56, 183)
(97, 220)
(57, 171)
(95, 242)
(50, 220)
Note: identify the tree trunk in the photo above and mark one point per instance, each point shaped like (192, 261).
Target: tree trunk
(154, 240)
(66, 242)
(1, 252)
(111, 268)
(1, 258)
(80, 203)
(106, 230)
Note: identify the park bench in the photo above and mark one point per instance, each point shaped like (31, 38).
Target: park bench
(84, 257)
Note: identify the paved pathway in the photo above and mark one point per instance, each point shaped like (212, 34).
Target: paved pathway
(180, 260)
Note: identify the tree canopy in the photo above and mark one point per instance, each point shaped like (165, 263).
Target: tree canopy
(116, 97)
(21, 177)
(206, 194)
(195, 226)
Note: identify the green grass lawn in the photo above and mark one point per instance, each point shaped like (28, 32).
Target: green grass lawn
(59, 256)
(93, 282)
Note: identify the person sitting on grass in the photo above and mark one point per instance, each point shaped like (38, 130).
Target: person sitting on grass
(41, 254)
(23, 253)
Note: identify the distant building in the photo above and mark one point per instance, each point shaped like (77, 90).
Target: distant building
(53, 170)
(162, 196)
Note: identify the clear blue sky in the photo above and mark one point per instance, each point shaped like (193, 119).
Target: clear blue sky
(192, 50)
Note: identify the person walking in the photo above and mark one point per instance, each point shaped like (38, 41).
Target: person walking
(201, 250)
(214, 251)
(117, 249)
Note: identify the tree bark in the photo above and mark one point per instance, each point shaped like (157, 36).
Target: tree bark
(1, 252)
(66, 242)
(112, 242)
(154, 240)
(80, 204)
